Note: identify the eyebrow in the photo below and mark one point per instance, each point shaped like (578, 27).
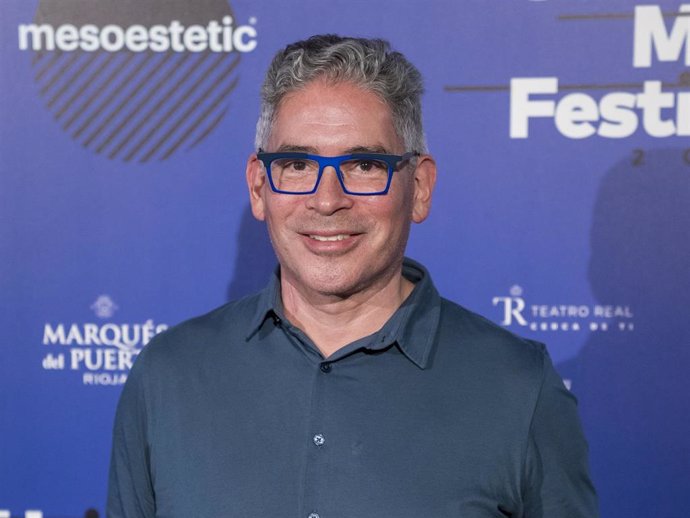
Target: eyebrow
(380, 150)
(292, 148)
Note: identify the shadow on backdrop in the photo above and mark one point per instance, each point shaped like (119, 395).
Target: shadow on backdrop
(255, 260)
(633, 386)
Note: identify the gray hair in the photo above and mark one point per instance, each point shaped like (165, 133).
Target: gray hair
(367, 63)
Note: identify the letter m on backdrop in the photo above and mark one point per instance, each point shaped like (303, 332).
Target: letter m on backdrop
(650, 32)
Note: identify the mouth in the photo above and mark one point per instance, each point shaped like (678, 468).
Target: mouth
(331, 242)
(336, 237)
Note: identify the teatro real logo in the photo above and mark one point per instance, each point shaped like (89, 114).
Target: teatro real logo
(517, 312)
(101, 352)
(136, 80)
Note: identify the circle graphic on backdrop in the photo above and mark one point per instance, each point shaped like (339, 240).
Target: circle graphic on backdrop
(137, 80)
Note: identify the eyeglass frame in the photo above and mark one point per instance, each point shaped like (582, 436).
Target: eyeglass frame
(392, 161)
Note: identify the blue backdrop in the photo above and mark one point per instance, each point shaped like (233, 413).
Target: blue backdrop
(562, 208)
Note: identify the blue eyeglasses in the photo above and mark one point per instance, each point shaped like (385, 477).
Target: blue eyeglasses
(360, 174)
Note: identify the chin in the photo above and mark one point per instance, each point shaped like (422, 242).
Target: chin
(332, 282)
(349, 283)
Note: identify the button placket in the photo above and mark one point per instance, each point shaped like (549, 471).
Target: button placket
(315, 483)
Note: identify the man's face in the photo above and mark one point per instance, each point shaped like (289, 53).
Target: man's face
(331, 243)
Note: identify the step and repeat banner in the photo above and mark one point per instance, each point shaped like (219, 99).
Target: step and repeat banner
(562, 210)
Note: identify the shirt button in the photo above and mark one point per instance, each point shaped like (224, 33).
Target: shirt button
(326, 367)
(319, 440)
(313, 515)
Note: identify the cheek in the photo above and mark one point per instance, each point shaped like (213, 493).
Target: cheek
(399, 219)
(402, 191)
(278, 216)
(390, 225)
(399, 211)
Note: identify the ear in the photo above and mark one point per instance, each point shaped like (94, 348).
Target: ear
(256, 180)
(424, 181)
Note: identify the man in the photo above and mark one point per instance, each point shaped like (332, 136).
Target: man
(348, 387)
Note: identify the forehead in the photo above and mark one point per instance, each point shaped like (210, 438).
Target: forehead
(328, 116)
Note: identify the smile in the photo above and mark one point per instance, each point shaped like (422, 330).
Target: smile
(338, 237)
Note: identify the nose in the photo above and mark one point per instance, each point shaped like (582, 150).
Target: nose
(329, 196)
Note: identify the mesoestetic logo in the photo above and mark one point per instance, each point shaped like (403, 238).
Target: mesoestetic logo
(215, 36)
(620, 113)
(137, 80)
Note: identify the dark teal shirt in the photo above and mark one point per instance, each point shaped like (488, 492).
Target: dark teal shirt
(439, 414)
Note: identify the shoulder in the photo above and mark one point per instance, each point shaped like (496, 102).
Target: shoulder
(225, 325)
(476, 339)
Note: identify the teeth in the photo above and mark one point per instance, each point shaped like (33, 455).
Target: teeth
(339, 237)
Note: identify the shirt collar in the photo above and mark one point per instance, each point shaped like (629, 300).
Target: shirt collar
(419, 316)
(268, 303)
(412, 327)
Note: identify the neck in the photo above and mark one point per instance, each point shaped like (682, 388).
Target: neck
(333, 321)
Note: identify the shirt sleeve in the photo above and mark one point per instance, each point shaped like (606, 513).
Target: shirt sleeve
(130, 488)
(557, 473)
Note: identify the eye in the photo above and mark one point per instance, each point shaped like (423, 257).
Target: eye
(293, 165)
(297, 165)
(367, 166)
